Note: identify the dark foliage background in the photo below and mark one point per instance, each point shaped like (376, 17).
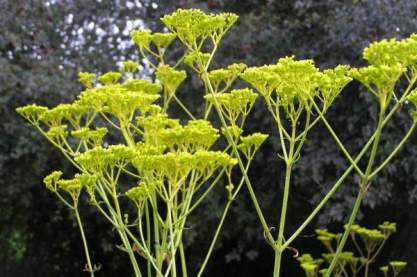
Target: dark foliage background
(43, 45)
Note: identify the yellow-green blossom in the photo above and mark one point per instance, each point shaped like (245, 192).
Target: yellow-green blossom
(162, 40)
(87, 135)
(251, 143)
(142, 38)
(193, 27)
(51, 180)
(58, 131)
(129, 66)
(99, 159)
(197, 60)
(142, 85)
(378, 79)
(31, 112)
(110, 78)
(86, 78)
(170, 77)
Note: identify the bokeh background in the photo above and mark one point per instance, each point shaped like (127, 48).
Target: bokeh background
(43, 46)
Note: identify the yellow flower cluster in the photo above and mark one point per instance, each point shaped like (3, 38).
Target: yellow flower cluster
(170, 78)
(144, 39)
(237, 103)
(193, 27)
(291, 83)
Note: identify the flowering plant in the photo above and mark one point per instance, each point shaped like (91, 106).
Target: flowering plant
(127, 148)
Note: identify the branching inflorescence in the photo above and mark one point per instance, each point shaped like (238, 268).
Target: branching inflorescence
(165, 168)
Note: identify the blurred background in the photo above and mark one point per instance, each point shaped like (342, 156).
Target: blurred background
(43, 46)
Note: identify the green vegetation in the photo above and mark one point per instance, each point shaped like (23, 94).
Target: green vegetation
(167, 168)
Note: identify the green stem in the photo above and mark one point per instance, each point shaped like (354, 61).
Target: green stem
(342, 178)
(128, 247)
(171, 243)
(187, 111)
(328, 195)
(367, 269)
(361, 194)
(280, 249)
(394, 152)
(336, 138)
(213, 242)
(288, 171)
(148, 237)
(220, 225)
(240, 163)
(87, 253)
(183, 261)
(157, 247)
(124, 237)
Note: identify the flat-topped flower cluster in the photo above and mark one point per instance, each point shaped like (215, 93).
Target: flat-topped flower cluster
(120, 136)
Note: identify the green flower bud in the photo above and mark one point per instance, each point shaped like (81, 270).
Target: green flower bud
(71, 112)
(144, 86)
(392, 52)
(370, 236)
(379, 79)
(197, 60)
(142, 38)
(388, 228)
(384, 269)
(397, 266)
(196, 135)
(234, 131)
(110, 78)
(219, 75)
(140, 193)
(251, 143)
(208, 161)
(88, 181)
(57, 131)
(331, 83)
(51, 180)
(193, 27)
(170, 77)
(99, 159)
(162, 40)
(118, 100)
(129, 66)
(236, 103)
(86, 79)
(263, 79)
(75, 185)
(305, 258)
(87, 135)
(294, 82)
(309, 264)
(309, 268)
(31, 112)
